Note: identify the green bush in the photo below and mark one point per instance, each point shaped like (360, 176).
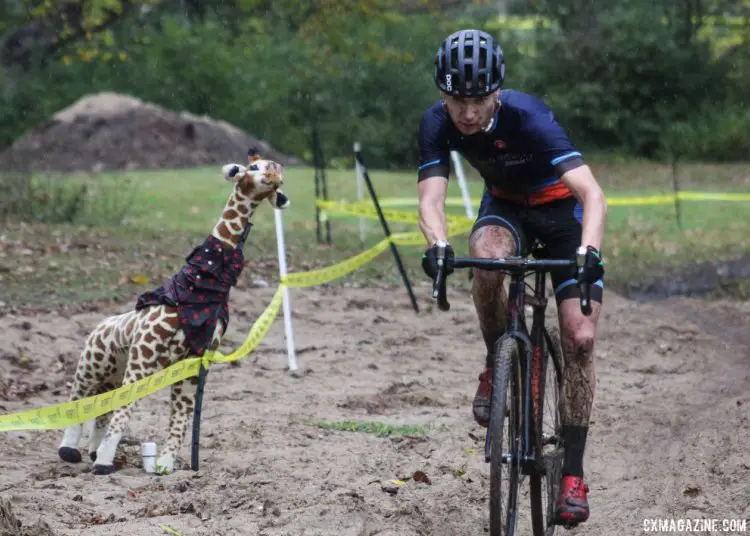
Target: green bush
(52, 200)
(616, 87)
(619, 83)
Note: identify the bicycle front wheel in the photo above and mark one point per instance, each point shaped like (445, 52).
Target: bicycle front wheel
(505, 456)
(545, 483)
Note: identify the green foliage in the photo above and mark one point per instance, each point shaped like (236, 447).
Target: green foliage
(376, 428)
(618, 78)
(54, 200)
(713, 134)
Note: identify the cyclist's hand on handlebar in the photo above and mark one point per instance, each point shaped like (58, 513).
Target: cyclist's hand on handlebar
(592, 269)
(430, 260)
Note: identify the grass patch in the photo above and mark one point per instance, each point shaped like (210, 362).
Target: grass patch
(376, 428)
(170, 211)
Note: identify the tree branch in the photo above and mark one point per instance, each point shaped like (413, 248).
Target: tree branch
(44, 35)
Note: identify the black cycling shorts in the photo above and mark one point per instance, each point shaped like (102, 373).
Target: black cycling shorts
(557, 227)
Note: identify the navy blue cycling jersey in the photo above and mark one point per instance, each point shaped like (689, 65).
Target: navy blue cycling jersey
(521, 155)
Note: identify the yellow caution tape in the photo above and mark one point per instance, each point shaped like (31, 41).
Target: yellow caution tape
(79, 411)
(257, 332)
(713, 196)
(369, 211)
(660, 199)
(413, 201)
(330, 273)
(639, 201)
(409, 239)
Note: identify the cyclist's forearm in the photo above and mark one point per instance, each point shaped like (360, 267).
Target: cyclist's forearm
(432, 221)
(584, 186)
(594, 218)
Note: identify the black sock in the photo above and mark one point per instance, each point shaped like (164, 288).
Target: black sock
(574, 439)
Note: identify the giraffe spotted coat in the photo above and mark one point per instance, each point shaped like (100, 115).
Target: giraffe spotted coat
(184, 317)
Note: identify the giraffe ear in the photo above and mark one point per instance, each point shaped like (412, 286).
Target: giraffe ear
(278, 200)
(233, 172)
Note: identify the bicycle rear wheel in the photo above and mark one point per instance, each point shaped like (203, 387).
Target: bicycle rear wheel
(545, 485)
(505, 457)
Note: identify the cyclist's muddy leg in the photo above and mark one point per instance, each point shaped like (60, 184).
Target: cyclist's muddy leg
(487, 286)
(577, 333)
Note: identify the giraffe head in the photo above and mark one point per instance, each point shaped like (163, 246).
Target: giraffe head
(260, 180)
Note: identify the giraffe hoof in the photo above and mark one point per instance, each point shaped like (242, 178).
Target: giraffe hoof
(69, 454)
(92, 455)
(103, 469)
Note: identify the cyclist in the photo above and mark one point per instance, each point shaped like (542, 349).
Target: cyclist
(537, 187)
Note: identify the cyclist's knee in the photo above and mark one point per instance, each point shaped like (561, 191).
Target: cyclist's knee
(579, 343)
(487, 281)
(492, 241)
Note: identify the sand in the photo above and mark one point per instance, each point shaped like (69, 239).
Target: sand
(668, 439)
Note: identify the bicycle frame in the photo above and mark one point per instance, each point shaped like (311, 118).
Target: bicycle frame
(531, 341)
(531, 345)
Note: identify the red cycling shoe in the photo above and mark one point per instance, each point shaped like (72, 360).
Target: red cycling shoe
(572, 505)
(483, 398)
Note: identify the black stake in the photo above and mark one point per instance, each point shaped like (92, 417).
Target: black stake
(316, 156)
(197, 417)
(324, 179)
(321, 184)
(394, 249)
(676, 189)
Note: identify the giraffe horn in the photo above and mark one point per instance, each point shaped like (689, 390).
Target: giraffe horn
(252, 155)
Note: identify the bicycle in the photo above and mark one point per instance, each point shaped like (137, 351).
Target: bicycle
(519, 389)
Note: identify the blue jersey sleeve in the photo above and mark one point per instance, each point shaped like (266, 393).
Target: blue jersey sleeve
(550, 142)
(434, 155)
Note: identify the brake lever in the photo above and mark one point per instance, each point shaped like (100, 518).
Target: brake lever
(439, 287)
(585, 287)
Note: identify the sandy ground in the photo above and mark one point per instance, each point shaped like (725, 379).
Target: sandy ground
(669, 434)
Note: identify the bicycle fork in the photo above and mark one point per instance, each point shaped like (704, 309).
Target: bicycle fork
(531, 370)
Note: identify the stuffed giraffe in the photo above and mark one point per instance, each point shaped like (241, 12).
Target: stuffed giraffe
(183, 318)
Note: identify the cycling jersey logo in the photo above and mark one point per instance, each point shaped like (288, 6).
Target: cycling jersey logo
(449, 82)
(500, 144)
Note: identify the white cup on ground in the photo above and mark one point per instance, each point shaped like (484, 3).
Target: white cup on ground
(148, 456)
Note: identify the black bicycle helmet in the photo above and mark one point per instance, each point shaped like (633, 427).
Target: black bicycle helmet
(469, 63)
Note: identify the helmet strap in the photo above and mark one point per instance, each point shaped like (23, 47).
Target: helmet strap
(491, 123)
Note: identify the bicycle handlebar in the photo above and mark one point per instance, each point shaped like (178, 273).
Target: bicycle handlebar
(514, 265)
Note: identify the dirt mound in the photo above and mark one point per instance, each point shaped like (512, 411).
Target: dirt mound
(108, 131)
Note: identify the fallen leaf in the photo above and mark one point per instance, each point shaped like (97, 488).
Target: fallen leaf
(419, 476)
(139, 279)
(169, 530)
(691, 491)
